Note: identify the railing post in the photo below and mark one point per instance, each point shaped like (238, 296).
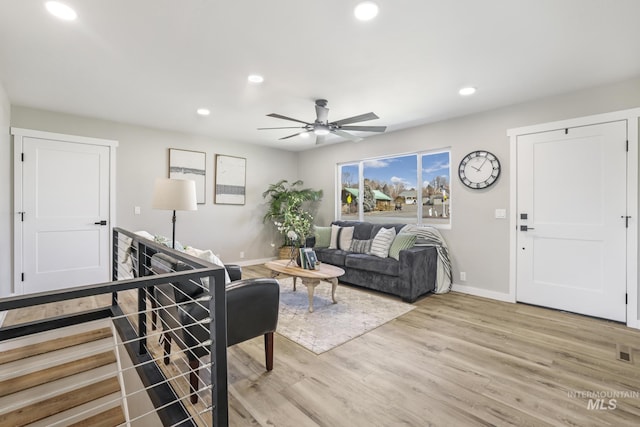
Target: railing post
(218, 334)
(142, 301)
(114, 265)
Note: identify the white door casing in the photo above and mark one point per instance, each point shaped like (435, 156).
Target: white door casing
(64, 189)
(577, 184)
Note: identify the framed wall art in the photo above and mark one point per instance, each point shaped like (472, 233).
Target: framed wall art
(185, 164)
(230, 181)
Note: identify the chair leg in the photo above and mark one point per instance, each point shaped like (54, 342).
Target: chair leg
(166, 338)
(268, 350)
(194, 379)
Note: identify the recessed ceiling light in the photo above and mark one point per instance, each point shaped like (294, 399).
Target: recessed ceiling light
(466, 91)
(366, 10)
(61, 10)
(203, 111)
(255, 78)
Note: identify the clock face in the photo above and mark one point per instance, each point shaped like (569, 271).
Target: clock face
(479, 169)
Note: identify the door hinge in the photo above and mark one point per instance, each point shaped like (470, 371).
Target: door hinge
(21, 216)
(22, 157)
(626, 299)
(22, 277)
(566, 131)
(627, 145)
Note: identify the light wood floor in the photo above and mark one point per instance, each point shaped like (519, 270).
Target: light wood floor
(456, 360)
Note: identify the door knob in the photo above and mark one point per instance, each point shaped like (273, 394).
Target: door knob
(525, 228)
(103, 222)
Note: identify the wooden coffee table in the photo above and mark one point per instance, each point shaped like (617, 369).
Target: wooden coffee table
(310, 278)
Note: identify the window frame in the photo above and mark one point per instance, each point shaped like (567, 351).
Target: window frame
(419, 220)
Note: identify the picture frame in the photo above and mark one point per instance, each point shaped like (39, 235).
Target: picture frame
(187, 164)
(230, 180)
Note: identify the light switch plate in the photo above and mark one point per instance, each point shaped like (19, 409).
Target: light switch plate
(501, 213)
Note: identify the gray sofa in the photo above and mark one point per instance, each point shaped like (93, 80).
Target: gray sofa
(410, 277)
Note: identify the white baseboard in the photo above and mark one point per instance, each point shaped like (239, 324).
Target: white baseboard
(485, 293)
(245, 262)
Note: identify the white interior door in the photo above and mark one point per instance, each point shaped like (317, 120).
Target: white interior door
(571, 209)
(65, 199)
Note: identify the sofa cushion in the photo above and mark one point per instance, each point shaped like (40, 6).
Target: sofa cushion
(332, 256)
(323, 236)
(387, 266)
(382, 242)
(400, 243)
(341, 237)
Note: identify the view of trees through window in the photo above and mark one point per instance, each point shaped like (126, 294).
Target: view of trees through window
(410, 188)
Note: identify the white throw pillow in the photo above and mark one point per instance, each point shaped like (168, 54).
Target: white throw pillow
(341, 237)
(382, 242)
(346, 237)
(208, 255)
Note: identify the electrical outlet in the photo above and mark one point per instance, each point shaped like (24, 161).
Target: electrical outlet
(242, 255)
(463, 276)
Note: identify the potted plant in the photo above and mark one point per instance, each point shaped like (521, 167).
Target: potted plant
(289, 209)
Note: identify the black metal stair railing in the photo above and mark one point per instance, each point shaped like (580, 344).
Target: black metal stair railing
(170, 405)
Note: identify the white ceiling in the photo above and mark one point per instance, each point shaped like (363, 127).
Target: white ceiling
(154, 62)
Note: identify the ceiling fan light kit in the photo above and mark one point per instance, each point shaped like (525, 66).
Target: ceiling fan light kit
(322, 127)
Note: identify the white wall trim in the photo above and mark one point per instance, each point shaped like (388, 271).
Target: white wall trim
(249, 262)
(632, 116)
(3, 314)
(481, 292)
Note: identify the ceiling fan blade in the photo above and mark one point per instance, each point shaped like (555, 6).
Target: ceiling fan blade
(322, 113)
(346, 135)
(280, 116)
(288, 127)
(355, 119)
(365, 128)
(320, 139)
(291, 136)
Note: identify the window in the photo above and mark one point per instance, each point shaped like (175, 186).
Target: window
(436, 193)
(410, 188)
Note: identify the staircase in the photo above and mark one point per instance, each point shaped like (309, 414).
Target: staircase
(66, 377)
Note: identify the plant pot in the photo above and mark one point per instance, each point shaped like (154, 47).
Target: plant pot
(284, 252)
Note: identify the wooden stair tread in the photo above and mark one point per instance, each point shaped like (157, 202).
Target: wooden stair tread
(53, 373)
(62, 402)
(109, 418)
(54, 344)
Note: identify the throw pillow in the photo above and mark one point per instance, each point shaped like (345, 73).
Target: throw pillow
(382, 242)
(345, 238)
(341, 237)
(333, 242)
(323, 236)
(360, 246)
(401, 242)
(209, 256)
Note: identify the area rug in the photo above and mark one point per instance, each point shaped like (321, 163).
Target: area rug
(330, 325)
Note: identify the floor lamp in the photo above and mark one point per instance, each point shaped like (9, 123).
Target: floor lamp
(174, 195)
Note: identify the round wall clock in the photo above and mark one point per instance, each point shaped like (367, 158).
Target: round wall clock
(479, 169)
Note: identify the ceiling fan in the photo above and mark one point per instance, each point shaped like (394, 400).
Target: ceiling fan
(321, 127)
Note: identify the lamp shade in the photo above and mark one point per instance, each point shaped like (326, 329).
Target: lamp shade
(175, 194)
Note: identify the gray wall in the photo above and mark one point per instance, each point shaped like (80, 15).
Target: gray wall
(142, 155)
(478, 242)
(6, 198)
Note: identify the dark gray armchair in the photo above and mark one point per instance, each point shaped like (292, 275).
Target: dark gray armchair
(252, 310)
